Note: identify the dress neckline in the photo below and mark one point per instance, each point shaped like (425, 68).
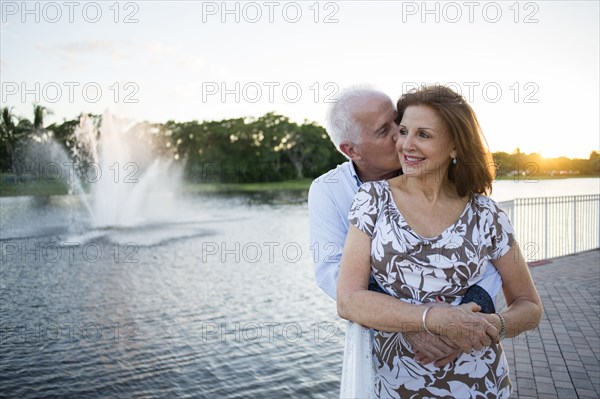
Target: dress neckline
(409, 228)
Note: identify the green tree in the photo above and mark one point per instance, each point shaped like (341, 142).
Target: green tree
(8, 138)
(14, 137)
(64, 133)
(593, 165)
(37, 128)
(504, 163)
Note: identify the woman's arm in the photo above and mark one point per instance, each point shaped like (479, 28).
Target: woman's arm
(371, 309)
(461, 324)
(524, 306)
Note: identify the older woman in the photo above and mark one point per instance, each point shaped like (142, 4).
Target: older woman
(426, 237)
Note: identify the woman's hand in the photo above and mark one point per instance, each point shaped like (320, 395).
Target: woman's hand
(493, 319)
(463, 326)
(429, 348)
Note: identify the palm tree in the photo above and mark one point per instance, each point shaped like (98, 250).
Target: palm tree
(38, 116)
(37, 130)
(10, 135)
(13, 135)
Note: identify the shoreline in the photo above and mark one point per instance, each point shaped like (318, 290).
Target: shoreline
(59, 188)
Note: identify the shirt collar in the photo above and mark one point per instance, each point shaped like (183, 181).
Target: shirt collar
(355, 175)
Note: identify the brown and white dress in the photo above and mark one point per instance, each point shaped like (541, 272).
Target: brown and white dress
(416, 270)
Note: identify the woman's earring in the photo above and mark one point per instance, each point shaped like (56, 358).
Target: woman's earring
(454, 161)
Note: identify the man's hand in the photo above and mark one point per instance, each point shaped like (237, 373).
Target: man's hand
(429, 348)
(464, 326)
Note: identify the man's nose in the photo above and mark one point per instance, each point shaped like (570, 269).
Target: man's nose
(395, 135)
(407, 142)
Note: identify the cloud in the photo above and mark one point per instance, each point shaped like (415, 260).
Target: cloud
(159, 52)
(74, 54)
(159, 48)
(76, 49)
(5, 32)
(193, 63)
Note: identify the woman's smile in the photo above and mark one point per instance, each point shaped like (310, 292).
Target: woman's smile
(409, 160)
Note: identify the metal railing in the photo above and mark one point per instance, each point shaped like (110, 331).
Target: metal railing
(549, 227)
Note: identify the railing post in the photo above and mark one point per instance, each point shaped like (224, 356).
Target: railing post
(546, 228)
(574, 224)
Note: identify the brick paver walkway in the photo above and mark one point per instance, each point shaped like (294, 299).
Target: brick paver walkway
(561, 358)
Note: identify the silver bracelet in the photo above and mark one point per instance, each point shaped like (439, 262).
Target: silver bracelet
(427, 309)
(502, 332)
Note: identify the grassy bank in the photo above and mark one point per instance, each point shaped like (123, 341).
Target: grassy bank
(302, 184)
(44, 188)
(57, 188)
(33, 188)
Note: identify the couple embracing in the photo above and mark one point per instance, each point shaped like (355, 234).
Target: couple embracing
(413, 249)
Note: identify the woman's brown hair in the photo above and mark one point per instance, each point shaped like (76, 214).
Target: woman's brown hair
(475, 169)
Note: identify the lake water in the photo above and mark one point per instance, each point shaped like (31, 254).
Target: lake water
(504, 190)
(220, 303)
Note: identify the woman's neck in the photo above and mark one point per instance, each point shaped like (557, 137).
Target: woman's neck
(429, 188)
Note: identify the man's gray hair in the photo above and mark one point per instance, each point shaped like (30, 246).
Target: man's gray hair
(341, 122)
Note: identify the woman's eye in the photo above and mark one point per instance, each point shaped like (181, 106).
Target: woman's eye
(403, 132)
(424, 135)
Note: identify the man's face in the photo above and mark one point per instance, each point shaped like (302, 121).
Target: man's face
(376, 155)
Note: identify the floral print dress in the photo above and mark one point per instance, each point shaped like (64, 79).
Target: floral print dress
(416, 270)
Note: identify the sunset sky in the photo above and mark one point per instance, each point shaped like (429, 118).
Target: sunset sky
(529, 69)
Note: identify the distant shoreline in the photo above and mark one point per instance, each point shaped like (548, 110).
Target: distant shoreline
(58, 188)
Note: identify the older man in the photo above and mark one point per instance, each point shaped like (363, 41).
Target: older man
(362, 125)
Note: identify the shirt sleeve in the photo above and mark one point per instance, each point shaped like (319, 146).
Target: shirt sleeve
(365, 207)
(327, 229)
(503, 234)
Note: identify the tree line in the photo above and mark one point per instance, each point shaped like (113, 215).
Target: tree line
(269, 148)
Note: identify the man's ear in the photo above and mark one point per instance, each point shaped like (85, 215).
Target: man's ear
(349, 150)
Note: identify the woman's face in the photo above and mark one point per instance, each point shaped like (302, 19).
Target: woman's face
(424, 145)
